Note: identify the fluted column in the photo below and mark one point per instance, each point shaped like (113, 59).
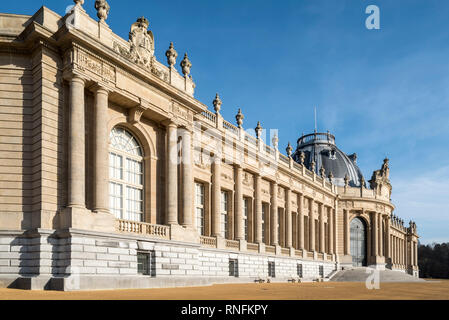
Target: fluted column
(330, 224)
(258, 208)
(387, 238)
(274, 214)
(101, 158)
(301, 222)
(347, 232)
(380, 236)
(172, 174)
(77, 153)
(288, 216)
(311, 227)
(374, 233)
(322, 231)
(216, 196)
(239, 225)
(187, 179)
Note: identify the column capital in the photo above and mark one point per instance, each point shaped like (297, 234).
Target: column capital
(100, 88)
(74, 76)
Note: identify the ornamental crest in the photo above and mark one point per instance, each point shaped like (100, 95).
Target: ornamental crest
(141, 48)
(142, 42)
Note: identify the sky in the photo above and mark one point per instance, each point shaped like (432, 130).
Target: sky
(380, 92)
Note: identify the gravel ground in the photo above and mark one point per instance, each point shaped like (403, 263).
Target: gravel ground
(429, 290)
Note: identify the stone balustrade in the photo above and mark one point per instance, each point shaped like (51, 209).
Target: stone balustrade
(141, 228)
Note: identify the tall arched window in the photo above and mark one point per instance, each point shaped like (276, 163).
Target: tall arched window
(125, 175)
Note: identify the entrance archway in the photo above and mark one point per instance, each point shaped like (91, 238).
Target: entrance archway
(358, 242)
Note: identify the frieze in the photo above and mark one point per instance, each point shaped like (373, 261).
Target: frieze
(89, 63)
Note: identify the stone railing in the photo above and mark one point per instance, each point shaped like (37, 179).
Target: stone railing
(252, 247)
(232, 244)
(270, 249)
(310, 255)
(320, 256)
(208, 241)
(209, 116)
(285, 251)
(298, 253)
(230, 127)
(284, 159)
(142, 228)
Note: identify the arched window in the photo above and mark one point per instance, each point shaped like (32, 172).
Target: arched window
(125, 176)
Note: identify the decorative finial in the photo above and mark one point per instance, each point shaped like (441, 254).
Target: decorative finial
(346, 180)
(362, 181)
(78, 3)
(239, 118)
(186, 65)
(217, 103)
(312, 166)
(302, 157)
(289, 150)
(171, 55)
(330, 176)
(275, 140)
(103, 8)
(322, 172)
(258, 130)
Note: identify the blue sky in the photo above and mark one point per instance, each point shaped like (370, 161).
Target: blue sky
(381, 92)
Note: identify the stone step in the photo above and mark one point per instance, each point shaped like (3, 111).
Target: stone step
(362, 274)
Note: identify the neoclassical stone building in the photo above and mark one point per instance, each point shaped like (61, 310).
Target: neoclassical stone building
(112, 175)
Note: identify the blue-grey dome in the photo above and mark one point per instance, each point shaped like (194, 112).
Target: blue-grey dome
(321, 148)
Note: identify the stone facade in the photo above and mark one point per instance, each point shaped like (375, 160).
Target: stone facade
(205, 196)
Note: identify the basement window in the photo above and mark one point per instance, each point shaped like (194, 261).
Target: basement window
(233, 268)
(146, 263)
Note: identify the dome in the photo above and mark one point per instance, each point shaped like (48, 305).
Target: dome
(321, 148)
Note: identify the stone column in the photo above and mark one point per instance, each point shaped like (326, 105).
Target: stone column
(258, 208)
(77, 153)
(288, 216)
(274, 214)
(374, 233)
(301, 222)
(239, 222)
(330, 223)
(172, 174)
(311, 227)
(416, 253)
(347, 232)
(322, 231)
(216, 196)
(187, 179)
(387, 238)
(101, 138)
(380, 236)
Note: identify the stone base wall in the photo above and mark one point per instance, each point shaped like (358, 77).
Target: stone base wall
(74, 259)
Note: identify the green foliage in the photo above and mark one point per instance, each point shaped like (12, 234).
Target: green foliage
(433, 261)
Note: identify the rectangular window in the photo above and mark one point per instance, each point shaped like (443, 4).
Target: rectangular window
(299, 270)
(134, 204)
(245, 216)
(224, 214)
(115, 166)
(146, 263)
(115, 199)
(199, 207)
(271, 269)
(321, 271)
(233, 268)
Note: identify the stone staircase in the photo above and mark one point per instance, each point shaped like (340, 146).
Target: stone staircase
(361, 274)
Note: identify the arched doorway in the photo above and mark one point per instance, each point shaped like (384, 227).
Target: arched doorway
(358, 242)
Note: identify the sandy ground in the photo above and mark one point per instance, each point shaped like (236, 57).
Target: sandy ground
(430, 290)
